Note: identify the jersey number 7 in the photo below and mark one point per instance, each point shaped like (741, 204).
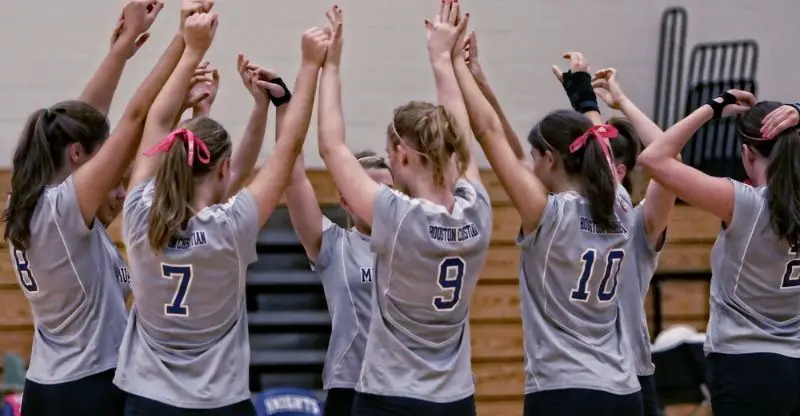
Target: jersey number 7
(178, 306)
(612, 268)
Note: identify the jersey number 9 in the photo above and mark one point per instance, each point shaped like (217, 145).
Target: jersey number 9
(451, 277)
(612, 268)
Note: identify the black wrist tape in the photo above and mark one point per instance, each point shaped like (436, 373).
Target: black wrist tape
(578, 86)
(279, 101)
(718, 105)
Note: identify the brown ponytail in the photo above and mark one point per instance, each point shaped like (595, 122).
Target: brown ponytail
(589, 165)
(433, 132)
(783, 170)
(40, 155)
(175, 180)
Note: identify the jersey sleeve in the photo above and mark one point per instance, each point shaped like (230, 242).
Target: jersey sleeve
(242, 213)
(553, 211)
(65, 210)
(135, 211)
(388, 211)
(331, 234)
(747, 203)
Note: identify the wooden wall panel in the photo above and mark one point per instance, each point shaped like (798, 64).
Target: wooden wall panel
(502, 265)
(496, 342)
(682, 299)
(495, 304)
(16, 312)
(500, 408)
(16, 341)
(499, 380)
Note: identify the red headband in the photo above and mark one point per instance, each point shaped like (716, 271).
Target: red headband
(603, 133)
(190, 139)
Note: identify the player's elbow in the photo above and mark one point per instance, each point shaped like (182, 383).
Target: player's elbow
(648, 160)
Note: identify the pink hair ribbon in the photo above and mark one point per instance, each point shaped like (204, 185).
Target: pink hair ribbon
(191, 140)
(602, 133)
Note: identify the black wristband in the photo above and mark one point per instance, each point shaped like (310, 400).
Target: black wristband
(578, 86)
(279, 101)
(718, 105)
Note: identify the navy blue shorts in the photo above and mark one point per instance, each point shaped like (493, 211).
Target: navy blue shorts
(754, 384)
(582, 402)
(373, 405)
(141, 406)
(339, 402)
(650, 396)
(95, 395)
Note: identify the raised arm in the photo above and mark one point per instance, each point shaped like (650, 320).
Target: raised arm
(304, 211)
(712, 194)
(198, 34)
(577, 84)
(471, 49)
(659, 201)
(444, 35)
(97, 177)
(99, 92)
(355, 185)
(245, 155)
(272, 179)
(525, 190)
(202, 92)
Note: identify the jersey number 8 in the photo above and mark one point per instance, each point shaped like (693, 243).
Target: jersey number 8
(451, 277)
(26, 278)
(612, 268)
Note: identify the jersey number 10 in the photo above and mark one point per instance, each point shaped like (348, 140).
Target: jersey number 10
(612, 268)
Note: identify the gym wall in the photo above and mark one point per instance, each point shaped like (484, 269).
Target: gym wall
(50, 49)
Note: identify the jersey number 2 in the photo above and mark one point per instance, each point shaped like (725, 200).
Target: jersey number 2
(451, 276)
(178, 306)
(790, 276)
(26, 278)
(612, 267)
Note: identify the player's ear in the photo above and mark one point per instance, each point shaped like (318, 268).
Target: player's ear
(224, 168)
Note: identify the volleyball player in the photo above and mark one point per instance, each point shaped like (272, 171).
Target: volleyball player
(649, 233)
(64, 167)
(430, 241)
(186, 348)
(574, 244)
(344, 262)
(753, 336)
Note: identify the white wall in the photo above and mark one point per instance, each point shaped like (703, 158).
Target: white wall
(50, 48)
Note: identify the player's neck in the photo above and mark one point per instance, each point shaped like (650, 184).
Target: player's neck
(442, 195)
(566, 185)
(61, 175)
(203, 195)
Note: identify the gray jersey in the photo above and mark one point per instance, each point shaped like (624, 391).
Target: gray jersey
(755, 284)
(72, 276)
(640, 265)
(428, 261)
(573, 332)
(186, 343)
(345, 265)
